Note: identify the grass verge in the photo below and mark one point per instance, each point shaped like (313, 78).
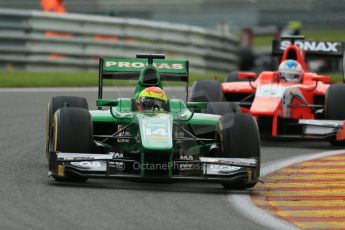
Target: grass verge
(78, 79)
(87, 79)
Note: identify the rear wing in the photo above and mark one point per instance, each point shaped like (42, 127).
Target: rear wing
(130, 69)
(311, 48)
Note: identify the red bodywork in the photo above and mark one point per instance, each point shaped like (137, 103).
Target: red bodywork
(279, 100)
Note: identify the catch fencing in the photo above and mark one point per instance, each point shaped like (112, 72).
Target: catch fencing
(34, 40)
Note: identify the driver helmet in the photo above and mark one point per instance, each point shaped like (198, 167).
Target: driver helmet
(152, 98)
(291, 71)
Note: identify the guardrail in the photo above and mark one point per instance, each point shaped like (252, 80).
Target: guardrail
(34, 40)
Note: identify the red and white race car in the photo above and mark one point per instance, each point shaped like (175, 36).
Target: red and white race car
(309, 107)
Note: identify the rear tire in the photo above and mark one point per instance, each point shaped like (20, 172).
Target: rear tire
(239, 138)
(247, 58)
(233, 77)
(73, 130)
(222, 108)
(57, 103)
(207, 91)
(335, 109)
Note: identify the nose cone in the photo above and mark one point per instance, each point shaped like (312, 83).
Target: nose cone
(265, 106)
(156, 132)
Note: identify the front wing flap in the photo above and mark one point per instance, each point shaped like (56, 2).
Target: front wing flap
(102, 166)
(322, 128)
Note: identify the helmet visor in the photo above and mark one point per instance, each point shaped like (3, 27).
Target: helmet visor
(291, 77)
(147, 103)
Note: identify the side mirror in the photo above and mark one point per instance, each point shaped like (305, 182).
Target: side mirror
(323, 78)
(106, 102)
(197, 105)
(247, 75)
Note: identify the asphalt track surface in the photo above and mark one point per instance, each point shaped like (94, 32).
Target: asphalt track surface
(31, 200)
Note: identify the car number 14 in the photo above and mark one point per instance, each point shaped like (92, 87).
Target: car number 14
(155, 131)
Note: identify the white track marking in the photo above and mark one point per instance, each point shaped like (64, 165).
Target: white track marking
(245, 206)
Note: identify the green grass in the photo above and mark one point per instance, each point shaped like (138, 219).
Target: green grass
(79, 79)
(336, 77)
(262, 40)
(317, 35)
(27, 79)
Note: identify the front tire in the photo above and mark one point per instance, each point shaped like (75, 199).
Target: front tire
(239, 137)
(72, 133)
(335, 109)
(57, 103)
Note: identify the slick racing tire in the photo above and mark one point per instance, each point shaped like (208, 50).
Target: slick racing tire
(207, 91)
(72, 132)
(247, 58)
(57, 103)
(335, 109)
(222, 108)
(239, 137)
(233, 77)
(218, 108)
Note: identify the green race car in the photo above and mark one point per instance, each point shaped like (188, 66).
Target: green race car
(149, 137)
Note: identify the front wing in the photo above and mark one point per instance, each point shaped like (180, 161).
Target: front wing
(105, 166)
(323, 129)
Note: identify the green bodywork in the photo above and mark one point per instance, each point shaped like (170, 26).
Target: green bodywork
(123, 114)
(152, 131)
